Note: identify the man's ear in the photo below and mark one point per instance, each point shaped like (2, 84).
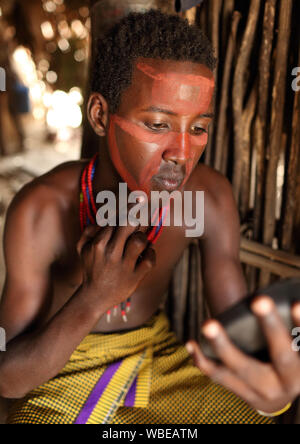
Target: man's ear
(97, 111)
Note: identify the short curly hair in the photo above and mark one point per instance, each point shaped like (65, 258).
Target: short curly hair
(152, 34)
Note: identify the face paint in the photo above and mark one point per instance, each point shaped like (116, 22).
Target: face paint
(180, 144)
(148, 159)
(116, 157)
(145, 135)
(181, 87)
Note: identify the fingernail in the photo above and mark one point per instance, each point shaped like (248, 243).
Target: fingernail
(189, 348)
(262, 306)
(211, 330)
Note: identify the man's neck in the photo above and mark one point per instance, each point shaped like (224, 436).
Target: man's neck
(106, 176)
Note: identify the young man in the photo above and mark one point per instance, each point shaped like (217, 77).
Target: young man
(67, 359)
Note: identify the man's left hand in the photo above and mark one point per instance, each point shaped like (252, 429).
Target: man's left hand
(268, 387)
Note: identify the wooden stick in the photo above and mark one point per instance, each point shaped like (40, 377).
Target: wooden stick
(261, 119)
(227, 15)
(238, 92)
(202, 17)
(258, 261)
(296, 235)
(274, 255)
(278, 102)
(224, 163)
(222, 118)
(294, 159)
(214, 11)
(248, 115)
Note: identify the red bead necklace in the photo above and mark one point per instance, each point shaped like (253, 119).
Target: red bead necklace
(88, 211)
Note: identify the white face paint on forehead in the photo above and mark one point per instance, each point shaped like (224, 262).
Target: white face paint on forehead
(192, 93)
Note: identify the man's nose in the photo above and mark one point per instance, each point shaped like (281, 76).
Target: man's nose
(179, 150)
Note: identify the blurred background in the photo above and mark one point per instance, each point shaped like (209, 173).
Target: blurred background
(44, 50)
(46, 47)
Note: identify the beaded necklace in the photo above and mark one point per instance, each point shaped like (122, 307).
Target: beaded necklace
(88, 211)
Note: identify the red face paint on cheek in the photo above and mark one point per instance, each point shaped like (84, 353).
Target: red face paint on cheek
(116, 157)
(159, 143)
(176, 145)
(165, 140)
(143, 134)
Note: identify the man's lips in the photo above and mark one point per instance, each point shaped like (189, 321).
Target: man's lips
(169, 181)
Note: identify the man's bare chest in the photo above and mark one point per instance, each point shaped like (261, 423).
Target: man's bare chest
(67, 276)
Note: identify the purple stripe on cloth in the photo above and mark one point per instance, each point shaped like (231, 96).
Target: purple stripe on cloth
(130, 397)
(97, 393)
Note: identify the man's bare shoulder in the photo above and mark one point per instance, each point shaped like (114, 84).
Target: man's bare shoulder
(39, 206)
(56, 185)
(220, 206)
(216, 186)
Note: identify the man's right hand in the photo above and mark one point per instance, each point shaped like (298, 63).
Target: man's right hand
(114, 262)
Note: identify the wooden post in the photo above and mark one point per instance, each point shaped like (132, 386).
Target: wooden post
(222, 117)
(278, 102)
(296, 234)
(238, 93)
(214, 18)
(268, 252)
(261, 118)
(293, 171)
(284, 271)
(227, 15)
(248, 115)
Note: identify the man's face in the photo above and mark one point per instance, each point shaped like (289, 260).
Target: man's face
(159, 132)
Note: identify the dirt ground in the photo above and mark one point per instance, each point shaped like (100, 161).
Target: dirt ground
(17, 169)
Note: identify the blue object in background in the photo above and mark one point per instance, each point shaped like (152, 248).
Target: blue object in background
(21, 98)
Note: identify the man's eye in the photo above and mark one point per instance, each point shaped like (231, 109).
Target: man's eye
(198, 130)
(157, 126)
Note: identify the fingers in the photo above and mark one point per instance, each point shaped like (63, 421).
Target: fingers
(208, 366)
(135, 245)
(119, 239)
(284, 359)
(257, 376)
(228, 353)
(102, 238)
(94, 236)
(147, 262)
(87, 236)
(296, 314)
(221, 375)
(122, 233)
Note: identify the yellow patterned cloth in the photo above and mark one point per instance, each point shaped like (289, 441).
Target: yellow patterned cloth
(141, 376)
